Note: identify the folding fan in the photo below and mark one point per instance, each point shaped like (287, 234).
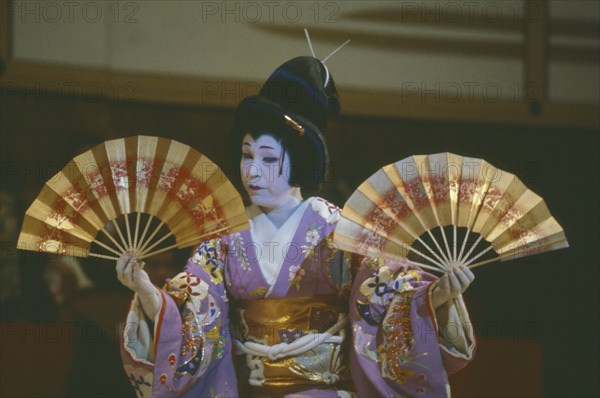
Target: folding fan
(150, 179)
(434, 211)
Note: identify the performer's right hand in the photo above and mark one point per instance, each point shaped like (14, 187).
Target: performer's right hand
(131, 274)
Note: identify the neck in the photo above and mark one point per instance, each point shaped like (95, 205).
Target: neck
(279, 215)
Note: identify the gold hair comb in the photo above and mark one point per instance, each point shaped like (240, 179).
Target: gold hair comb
(294, 124)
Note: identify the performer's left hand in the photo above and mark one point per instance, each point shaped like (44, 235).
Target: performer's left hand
(451, 285)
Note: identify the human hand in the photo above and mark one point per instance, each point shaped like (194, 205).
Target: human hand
(451, 285)
(130, 273)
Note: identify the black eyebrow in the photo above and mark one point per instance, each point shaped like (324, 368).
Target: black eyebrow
(260, 147)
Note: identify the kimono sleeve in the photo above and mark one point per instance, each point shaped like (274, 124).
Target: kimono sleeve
(186, 349)
(397, 345)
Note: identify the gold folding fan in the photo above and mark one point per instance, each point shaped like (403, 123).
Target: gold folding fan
(434, 211)
(150, 179)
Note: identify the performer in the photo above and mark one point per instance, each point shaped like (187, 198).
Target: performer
(277, 310)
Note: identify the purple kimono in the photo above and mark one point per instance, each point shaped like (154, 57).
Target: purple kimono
(288, 314)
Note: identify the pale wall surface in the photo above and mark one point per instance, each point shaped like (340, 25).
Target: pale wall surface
(244, 41)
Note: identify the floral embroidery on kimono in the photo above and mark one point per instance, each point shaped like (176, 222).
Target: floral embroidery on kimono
(209, 258)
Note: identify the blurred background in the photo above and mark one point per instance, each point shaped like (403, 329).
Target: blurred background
(514, 82)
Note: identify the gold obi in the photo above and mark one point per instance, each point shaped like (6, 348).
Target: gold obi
(284, 320)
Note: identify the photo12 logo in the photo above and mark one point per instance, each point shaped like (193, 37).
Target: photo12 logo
(70, 11)
(70, 91)
(270, 11)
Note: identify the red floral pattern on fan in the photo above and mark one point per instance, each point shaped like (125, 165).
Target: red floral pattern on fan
(77, 198)
(166, 180)
(416, 193)
(527, 242)
(97, 184)
(60, 214)
(522, 236)
(368, 241)
(395, 204)
(178, 183)
(454, 183)
(491, 199)
(52, 240)
(189, 188)
(380, 220)
(119, 175)
(372, 242)
(67, 208)
(439, 187)
(182, 186)
(144, 172)
(468, 187)
(513, 214)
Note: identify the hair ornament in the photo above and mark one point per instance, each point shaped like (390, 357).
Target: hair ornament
(312, 51)
(294, 124)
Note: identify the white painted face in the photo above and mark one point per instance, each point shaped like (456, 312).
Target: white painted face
(259, 166)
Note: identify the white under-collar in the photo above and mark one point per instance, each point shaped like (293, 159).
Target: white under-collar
(271, 242)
